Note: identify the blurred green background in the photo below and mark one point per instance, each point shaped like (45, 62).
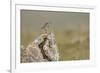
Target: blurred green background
(71, 31)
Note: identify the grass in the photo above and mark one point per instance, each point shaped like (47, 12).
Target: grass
(72, 44)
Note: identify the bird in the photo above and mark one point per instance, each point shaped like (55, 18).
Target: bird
(46, 25)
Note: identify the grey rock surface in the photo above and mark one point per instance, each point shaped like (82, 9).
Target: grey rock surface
(42, 49)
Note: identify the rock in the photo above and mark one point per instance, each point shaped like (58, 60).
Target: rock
(41, 49)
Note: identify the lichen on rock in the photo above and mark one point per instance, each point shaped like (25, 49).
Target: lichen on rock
(42, 49)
